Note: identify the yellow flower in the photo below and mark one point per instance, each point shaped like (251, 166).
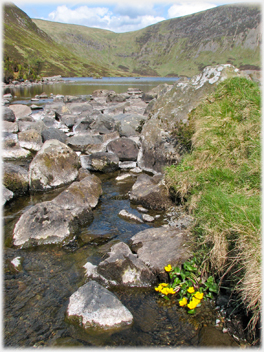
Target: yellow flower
(171, 291)
(199, 295)
(191, 290)
(168, 268)
(183, 302)
(196, 300)
(163, 284)
(192, 305)
(164, 291)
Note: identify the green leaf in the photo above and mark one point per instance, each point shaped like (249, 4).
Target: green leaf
(167, 298)
(192, 311)
(176, 270)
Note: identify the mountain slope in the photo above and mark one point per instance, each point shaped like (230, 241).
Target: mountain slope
(29, 51)
(180, 46)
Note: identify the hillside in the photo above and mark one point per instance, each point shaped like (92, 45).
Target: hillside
(180, 46)
(30, 51)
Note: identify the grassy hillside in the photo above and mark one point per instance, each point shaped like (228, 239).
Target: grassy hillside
(219, 182)
(180, 46)
(29, 51)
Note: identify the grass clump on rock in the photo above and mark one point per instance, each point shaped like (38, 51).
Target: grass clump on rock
(219, 181)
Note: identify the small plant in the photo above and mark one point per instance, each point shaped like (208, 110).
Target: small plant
(188, 284)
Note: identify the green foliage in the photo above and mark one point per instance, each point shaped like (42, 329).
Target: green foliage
(220, 183)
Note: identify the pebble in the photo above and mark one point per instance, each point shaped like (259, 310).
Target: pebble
(122, 177)
(142, 209)
(148, 218)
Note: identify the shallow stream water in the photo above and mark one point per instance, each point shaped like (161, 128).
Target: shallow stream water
(37, 295)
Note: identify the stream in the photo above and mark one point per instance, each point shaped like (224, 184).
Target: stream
(36, 296)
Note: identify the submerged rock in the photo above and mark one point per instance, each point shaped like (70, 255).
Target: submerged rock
(93, 306)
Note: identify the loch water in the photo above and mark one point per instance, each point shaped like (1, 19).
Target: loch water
(37, 295)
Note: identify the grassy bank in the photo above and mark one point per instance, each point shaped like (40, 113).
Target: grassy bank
(219, 181)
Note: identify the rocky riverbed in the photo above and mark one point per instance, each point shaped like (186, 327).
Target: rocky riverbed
(58, 161)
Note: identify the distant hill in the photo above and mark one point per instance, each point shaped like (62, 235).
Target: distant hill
(29, 51)
(175, 47)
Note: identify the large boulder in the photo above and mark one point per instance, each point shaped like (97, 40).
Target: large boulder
(15, 178)
(80, 197)
(158, 247)
(20, 110)
(160, 147)
(103, 124)
(93, 307)
(101, 161)
(124, 148)
(30, 139)
(125, 268)
(8, 115)
(31, 125)
(129, 124)
(150, 192)
(54, 165)
(45, 223)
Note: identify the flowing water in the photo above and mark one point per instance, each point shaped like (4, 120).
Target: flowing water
(36, 296)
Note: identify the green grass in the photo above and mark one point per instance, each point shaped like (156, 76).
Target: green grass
(219, 182)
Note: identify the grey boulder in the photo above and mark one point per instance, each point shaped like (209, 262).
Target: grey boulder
(93, 307)
(53, 166)
(45, 223)
(123, 267)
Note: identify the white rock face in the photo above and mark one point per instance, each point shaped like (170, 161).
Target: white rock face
(96, 307)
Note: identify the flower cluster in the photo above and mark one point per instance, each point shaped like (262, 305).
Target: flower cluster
(164, 289)
(188, 284)
(196, 298)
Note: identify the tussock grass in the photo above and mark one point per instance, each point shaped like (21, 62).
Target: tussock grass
(219, 181)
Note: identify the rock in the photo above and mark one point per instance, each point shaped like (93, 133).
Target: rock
(124, 148)
(129, 124)
(6, 195)
(158, 247)
(53, 133)
(45, 223)
(70, 120)
(15, 178)
(127, 165)
(53, 166)
(151, 195)
(11, 127)
(160, 147)
(82, 173)
(136, 170)
(103, 124)
(84, 143)
(103, 162)
(212, 337)
(148, 218)
(20, 110)
(142, 209)
(118, 98)
(31, 125)
(83, 125)
(30, 139)
(71, 99)
(12, 149)
(83, 108)
(123, 177)
(125, 268)
(80, 197)
(128, 216)
(93, 306)
(102, 92)
(8, 115)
